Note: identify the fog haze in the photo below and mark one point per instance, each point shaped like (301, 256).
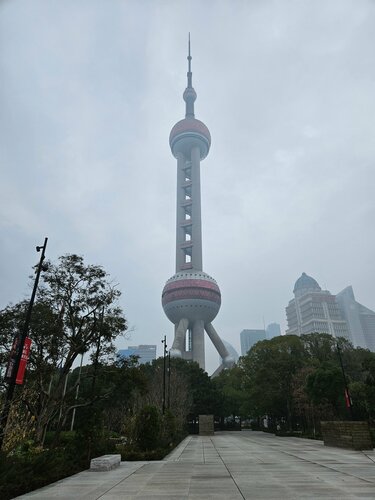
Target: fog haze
(89, 93)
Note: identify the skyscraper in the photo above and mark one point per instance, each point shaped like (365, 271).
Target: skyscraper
(273, 330)
(191, 298)
(250, 337)
(314, 310)
(360, 319)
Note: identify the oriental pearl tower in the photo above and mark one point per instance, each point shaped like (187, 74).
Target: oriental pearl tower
(191, 298)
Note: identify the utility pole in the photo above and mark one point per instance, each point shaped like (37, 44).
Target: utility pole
(19, 348)
(169, 380)
(164, 363)
(348, 399)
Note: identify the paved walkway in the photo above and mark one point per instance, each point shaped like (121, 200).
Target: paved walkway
(230, 465)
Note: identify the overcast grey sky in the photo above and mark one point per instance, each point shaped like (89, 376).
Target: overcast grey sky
(89, 92)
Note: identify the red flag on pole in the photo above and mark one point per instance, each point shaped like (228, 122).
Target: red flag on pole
(23, 361)
(347, 399)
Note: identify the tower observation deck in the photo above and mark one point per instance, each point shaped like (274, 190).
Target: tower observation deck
(191, 299)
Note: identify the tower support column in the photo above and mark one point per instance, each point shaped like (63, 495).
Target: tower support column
(178, 346)
(218, 343)
(198, 342)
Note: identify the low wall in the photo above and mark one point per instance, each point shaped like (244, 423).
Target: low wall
(350, 434)
(206, 425)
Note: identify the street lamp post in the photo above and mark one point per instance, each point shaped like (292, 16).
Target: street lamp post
(164, 363)
(20, 345)
(169, 380)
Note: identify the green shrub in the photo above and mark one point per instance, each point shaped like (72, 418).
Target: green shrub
(149, 436)
(26, 471)
(169, 429)
(147, 428)
(254, 426)
(129, 454)
(28, 467)
(66, 438)
(372, 434)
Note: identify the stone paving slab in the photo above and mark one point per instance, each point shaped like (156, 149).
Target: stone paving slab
(230, 466)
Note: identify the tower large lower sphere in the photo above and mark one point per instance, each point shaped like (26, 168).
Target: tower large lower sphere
(191, 298)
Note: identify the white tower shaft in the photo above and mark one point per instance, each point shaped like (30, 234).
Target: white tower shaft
(188, 224)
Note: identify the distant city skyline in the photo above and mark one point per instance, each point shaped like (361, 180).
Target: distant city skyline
(145, 353)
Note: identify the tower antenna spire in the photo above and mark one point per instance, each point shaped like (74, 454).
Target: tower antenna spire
(189, 74)
(189, 94)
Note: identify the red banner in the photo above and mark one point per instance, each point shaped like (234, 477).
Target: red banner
(23, 362)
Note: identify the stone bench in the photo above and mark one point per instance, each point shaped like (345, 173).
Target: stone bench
(105, 462)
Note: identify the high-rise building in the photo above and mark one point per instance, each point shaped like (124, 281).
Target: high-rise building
(250, 337)
(360, 319)
(145, 353)
(273, 330)
(191, 298)
(314, 310)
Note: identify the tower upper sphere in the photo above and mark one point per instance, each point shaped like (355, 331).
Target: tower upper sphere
(190, 132)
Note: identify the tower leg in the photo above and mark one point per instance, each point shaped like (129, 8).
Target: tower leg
(218, 343)
(179, 338)
(198, 342)
(218, 370)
